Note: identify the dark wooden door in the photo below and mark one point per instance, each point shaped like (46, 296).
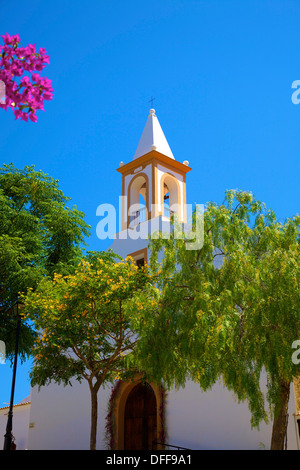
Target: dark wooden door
(140, 418)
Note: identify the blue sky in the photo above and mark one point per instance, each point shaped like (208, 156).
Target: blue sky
(221, 74)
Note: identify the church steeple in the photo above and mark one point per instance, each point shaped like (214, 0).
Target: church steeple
(154, 176)
(153, 138)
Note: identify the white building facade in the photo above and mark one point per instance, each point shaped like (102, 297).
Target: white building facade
(132, 416)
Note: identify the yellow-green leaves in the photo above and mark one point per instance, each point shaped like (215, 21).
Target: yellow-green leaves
(231, 309)
(89, 319)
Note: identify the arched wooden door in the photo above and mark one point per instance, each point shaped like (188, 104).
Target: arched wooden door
(140, 418)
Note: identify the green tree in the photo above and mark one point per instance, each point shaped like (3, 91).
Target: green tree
(88, 322)
(39, 234)
(231, 309)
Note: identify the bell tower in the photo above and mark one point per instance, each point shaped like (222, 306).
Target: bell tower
(153, 183)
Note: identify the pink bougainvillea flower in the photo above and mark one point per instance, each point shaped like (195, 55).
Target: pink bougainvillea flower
(33, 117)
(24, 93)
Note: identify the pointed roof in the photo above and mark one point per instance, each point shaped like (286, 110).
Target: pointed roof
(153, 138)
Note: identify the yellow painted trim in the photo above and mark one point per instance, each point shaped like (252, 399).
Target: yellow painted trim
(123, 204)
(184, 200)
(154, 189)
(296, 384)
(157, 156)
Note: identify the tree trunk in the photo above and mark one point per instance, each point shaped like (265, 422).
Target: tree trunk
(281, 417)
(94, 418)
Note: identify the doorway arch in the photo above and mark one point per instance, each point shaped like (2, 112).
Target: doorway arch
(119, 413)
(140, 418)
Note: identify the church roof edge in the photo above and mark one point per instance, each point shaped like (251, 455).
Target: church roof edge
(154, 155)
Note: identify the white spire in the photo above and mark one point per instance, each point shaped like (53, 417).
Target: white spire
(153, 138)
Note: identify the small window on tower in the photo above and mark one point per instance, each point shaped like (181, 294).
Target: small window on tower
(140, 257)
(140, 262)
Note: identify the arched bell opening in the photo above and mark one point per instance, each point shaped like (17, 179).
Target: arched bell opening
(138, 200)
(142, 203)
(166, 201)
(170, 196)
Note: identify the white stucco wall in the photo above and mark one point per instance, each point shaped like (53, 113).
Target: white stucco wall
(215, 420)
(20, 425)
(60, 419)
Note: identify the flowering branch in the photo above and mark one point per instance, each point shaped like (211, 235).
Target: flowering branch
(27, 94)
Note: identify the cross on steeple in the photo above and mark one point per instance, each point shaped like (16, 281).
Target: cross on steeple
(151, 101)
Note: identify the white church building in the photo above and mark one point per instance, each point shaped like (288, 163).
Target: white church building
(132, 415)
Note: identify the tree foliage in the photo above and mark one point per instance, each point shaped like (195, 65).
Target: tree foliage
(39, 234)
(88, 322)
(231, 310)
